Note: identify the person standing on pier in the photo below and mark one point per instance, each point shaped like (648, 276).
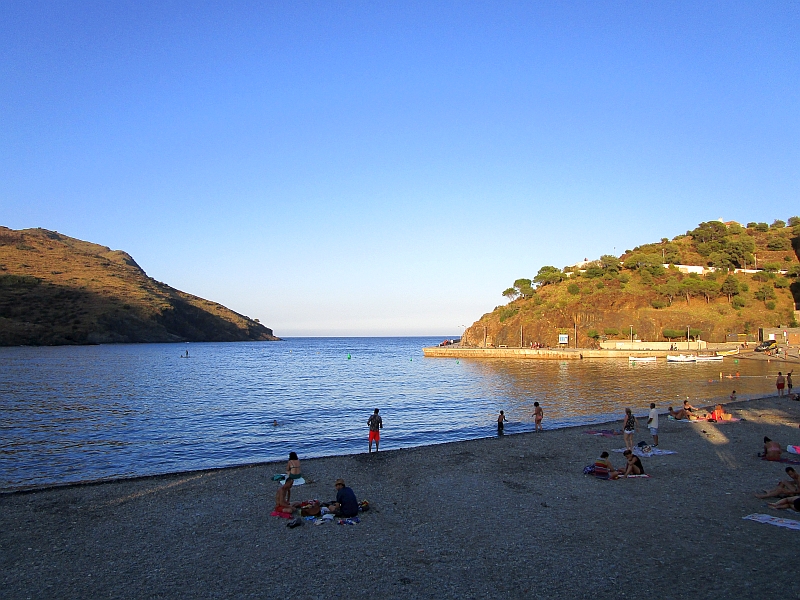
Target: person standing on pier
(375, 423)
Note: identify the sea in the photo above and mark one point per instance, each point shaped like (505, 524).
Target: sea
(84, 413)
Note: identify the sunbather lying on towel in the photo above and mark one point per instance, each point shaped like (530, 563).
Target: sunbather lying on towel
(784, 488)
(633, 466)
(772, 450)
(679, 415)
(792, 502)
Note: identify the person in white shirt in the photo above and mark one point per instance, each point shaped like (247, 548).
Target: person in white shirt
(652, 423)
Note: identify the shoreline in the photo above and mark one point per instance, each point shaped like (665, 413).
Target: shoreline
(511, 515)
(134, 478)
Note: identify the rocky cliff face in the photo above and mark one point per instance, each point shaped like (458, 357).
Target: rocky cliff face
(59, 290)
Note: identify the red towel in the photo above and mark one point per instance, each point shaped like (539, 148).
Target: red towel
(282, 515)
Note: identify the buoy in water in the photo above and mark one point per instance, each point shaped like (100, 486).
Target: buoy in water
(348, 357)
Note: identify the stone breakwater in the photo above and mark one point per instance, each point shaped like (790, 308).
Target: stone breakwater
(537, 353)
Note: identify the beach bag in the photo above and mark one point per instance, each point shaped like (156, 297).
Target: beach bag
(310, 510)
(588, 470)
(363, 506)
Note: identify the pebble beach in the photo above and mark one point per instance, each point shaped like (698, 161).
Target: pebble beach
(501, 516)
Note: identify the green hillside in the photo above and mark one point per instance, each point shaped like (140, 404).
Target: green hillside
(751, 279)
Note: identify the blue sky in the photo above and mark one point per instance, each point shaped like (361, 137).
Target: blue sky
(390, 168)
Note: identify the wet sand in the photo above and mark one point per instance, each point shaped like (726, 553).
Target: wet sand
(478, 519)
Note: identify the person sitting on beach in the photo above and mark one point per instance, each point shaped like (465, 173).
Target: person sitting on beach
(346, 504)
(603, 468)
(718, 414)
(792, 502)
(772, 450)
(634, 466)
(283, 498)
(689, 408)
(293, 467)
(784, 488)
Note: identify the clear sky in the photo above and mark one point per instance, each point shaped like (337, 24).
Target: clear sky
(389, 168)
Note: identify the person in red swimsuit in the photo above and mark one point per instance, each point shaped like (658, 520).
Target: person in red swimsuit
(375, 425)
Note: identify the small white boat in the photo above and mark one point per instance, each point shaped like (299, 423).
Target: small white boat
(681, 358)
(646, 359)
(708, 358)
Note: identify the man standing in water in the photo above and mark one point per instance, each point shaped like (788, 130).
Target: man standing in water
(780, 383)
(375, 425)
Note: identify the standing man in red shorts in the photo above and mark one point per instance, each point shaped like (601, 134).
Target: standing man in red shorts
(375, 425)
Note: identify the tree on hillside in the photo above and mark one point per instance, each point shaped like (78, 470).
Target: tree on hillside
(548, 275)
(639, 260)
(691, 286)
(511, 293)
(708, 231)
(670, 289)
(524, 287)
(794, 221)
(610, 263)
(764, 293)
(778, 224)
(709, 289)
(779, 243)
(730, 287)
(794, 271)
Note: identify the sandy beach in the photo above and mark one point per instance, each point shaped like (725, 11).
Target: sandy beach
(510, 516)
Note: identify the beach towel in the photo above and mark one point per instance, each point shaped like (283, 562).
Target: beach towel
(282, 480)
(642, 476)
(788, 461)
(793, 449)
(653, 452)
(604, 432)
(769, 519)
(282, 515)
(704, 420)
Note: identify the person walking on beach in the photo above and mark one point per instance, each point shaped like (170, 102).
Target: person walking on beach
(652, 423)
(780, 383)
(538, 415)
(375, 425)
(628, 428)
(501, 419)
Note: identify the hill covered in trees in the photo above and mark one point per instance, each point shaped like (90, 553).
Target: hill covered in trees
(59, 290)
(717, 279)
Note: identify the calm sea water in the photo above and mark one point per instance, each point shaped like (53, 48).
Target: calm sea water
(81, 413)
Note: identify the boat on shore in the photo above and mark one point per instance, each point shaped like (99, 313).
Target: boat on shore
(642, 359)
(681, 358)
(727, 352)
